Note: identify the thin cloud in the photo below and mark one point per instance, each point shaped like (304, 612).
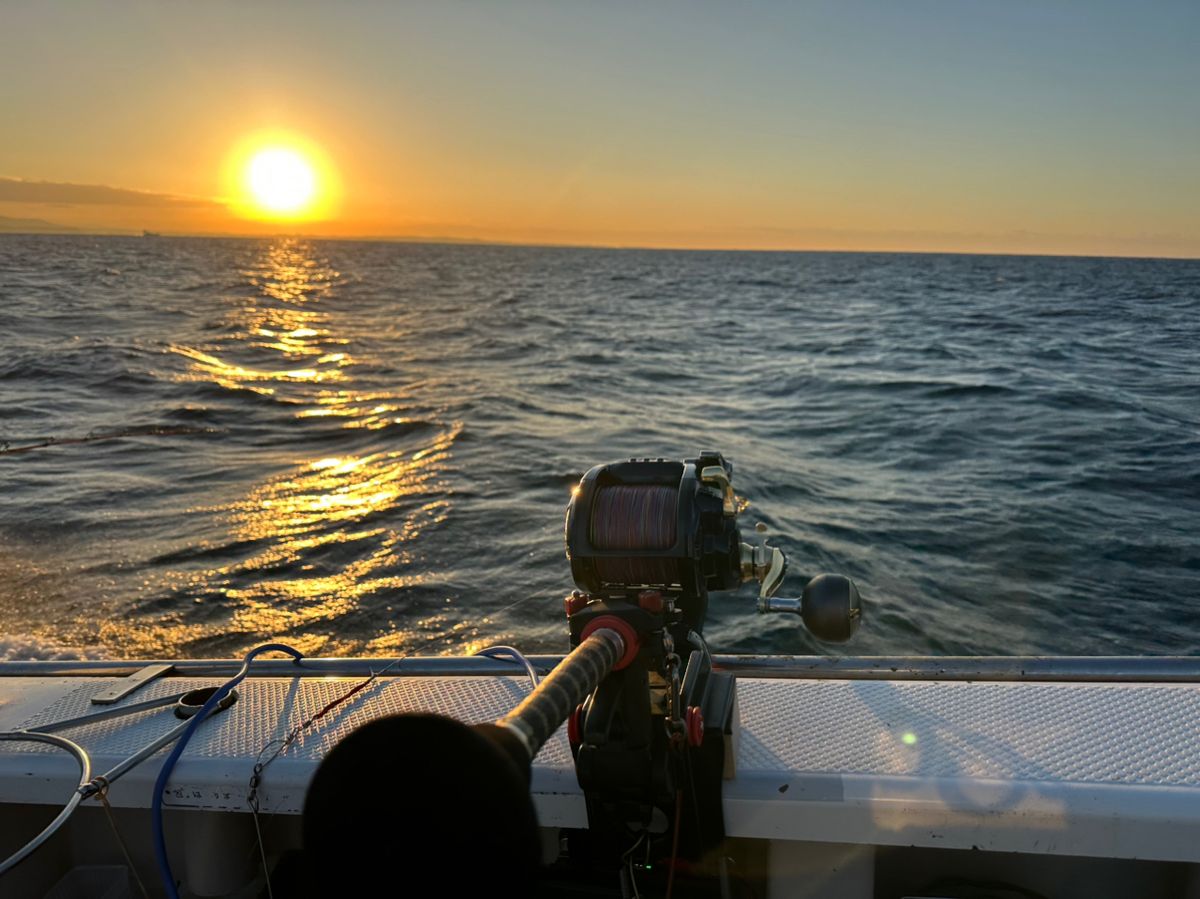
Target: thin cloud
(62, 193)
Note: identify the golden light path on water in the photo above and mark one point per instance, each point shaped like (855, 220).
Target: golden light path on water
(363, 509)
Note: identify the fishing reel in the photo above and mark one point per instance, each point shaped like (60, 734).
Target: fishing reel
(672, 527)
(648, 540)
(650, 719)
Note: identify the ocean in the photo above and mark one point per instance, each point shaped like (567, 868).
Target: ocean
(367, 448)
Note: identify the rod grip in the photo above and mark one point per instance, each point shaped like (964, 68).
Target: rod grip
(544, 710)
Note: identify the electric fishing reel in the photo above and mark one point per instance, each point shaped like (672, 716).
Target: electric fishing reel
(657, 525)
(651, 720)
(648, 540)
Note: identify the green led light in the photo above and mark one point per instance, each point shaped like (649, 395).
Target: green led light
(909, 738)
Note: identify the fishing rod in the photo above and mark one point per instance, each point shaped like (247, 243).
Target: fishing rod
(650, 721)
(7, 449)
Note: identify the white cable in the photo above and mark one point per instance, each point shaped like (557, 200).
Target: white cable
(500, 652)
(85, 775)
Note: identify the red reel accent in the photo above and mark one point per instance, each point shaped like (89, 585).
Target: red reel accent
(695, 726)
(650, 601)
(622, 627)
(575, 726)
(574, 602)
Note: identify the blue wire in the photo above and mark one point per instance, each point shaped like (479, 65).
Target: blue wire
(164, 773)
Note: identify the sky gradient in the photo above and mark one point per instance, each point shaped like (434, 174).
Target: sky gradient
(1042, 127)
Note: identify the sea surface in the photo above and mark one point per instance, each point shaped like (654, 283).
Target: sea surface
(367, 448)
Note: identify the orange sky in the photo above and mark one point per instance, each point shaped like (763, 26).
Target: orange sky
(833, 126)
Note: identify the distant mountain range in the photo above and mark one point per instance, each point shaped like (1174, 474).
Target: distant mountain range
(32, 226)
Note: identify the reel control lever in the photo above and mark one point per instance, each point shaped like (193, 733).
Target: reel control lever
(765, 564)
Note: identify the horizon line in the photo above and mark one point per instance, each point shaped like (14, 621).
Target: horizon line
(434, 240)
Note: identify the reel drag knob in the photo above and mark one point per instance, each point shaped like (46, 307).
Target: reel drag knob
(830, 606)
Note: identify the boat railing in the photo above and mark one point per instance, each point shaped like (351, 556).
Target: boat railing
(1084, 669)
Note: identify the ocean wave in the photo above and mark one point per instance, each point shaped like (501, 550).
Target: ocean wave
(390, 434)
(31, 648)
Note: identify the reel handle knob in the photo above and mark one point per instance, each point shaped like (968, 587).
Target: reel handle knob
(830, 606)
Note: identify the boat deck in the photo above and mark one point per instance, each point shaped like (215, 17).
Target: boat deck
(1092, 769)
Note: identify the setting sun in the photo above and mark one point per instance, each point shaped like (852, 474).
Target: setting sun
(281, 177)
(281, 180)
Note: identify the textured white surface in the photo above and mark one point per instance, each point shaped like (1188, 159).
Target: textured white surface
(1086, 769)
(1073, 769)
(215, 768)
(268, 708)
(1081, 733)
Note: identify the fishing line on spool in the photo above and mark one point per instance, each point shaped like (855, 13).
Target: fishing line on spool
(635, 518)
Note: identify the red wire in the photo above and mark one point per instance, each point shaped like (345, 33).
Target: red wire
(309, 722)
(674, 842)
(336, 702)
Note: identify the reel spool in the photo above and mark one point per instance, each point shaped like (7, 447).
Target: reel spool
(653, 524)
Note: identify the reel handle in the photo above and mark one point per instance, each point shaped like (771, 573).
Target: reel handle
(830, 606)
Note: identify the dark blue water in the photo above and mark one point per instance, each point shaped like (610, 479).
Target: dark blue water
(367, 448)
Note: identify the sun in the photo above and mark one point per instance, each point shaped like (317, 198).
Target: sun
(281, 180)
(281, 176)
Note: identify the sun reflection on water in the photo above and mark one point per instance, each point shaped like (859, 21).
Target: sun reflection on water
(358, 409)
(329, 537)
(362, 511)
(287, 318)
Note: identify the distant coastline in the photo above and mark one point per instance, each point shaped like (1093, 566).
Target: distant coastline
(9, 225)
(52, 230)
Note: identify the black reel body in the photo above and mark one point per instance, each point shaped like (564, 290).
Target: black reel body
(647, 540)
(653, 524)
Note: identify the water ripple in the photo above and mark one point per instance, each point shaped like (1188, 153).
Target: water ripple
(368, 447)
